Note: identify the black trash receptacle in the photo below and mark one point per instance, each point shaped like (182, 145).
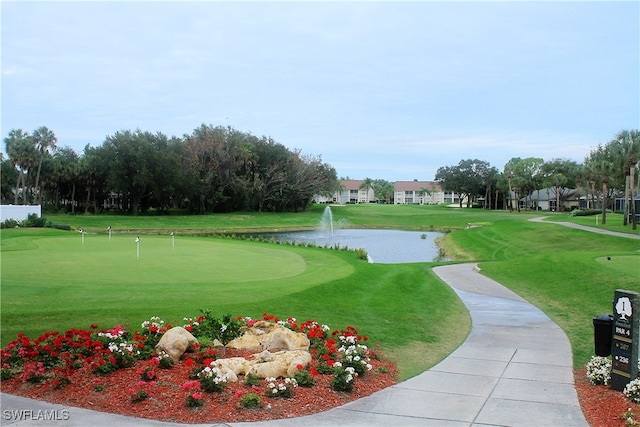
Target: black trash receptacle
(603, 334)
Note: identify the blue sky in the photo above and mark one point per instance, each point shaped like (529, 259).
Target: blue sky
(385, 90)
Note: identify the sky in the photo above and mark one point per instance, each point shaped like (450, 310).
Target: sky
(378, 89)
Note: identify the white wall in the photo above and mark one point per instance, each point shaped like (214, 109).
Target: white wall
(18, 212)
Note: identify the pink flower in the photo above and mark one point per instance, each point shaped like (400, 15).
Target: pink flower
(196, 396)
(238, 393)
(189, 384)
(256, 388)
(155, 361)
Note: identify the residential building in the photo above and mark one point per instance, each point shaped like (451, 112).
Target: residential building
(417, 192)
(545, 199)
(350, 192)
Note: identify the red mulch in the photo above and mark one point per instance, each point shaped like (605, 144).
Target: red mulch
(167, 401)
(602, 406)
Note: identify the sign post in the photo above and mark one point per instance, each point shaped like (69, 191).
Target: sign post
(626, 331)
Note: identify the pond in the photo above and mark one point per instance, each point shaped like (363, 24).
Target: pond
(383, 246)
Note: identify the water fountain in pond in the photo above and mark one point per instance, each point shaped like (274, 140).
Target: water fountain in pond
(326, 223)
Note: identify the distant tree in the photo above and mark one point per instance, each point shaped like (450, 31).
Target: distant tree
(525, 176)
(383, 190)
(366, 185)
(44, 140)
(467, 179)
(134, 166)
(561, 174)
(22, 153)
(66, 172)
(602, 164)
(8, 179)
(425, 192)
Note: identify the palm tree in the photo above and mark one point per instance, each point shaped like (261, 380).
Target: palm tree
(44, 140)
(21, 151)
(366, 185)
(425, 192)
(627, 143)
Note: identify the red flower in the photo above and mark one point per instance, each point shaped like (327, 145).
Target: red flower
(313, 371)
(207, 361)
(189, 362)
(299, 367)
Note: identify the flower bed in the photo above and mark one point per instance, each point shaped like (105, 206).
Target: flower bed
(602, 406)
(116, 371)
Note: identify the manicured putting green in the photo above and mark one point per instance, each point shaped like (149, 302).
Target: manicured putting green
(621, 263)
(226, 266)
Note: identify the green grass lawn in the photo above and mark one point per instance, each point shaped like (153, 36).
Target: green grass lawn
(51, 281)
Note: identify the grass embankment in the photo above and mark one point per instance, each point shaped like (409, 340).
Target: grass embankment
(404, 307)
(563, 271)
(51, 281)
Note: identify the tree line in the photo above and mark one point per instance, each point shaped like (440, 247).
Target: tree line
(609, 171)
(221, 169)
(213, 169)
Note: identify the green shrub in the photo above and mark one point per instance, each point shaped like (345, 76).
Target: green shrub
(10, 223)
(587, 212)
(34, 221)
(249, 400)
(361, 253)
(251, 379)
(304, 378)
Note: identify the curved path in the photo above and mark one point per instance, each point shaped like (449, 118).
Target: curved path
(514, 369)
(586, 228)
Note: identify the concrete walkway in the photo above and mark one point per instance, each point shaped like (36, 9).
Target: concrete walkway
(587, 228)
(514, 369)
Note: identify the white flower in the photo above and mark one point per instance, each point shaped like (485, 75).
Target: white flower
(632, 390)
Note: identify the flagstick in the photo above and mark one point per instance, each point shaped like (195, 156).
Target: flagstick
(137, 248)
(173, 240)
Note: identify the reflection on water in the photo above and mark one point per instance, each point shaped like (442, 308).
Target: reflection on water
(383, 246)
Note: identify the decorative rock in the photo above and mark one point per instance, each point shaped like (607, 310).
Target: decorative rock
(232, 367)
(175, 342)
(279, 364)
(265, 335)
